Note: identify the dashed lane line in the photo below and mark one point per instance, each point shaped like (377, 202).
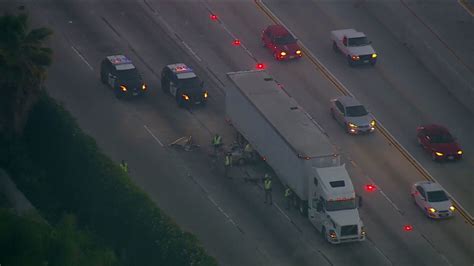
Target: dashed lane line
(153, 135)
(82, 57)
(343, 90)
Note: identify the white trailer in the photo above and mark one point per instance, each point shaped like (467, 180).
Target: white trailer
(298, 151)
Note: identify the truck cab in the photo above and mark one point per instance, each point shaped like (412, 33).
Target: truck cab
(354, 45)
(332, 207)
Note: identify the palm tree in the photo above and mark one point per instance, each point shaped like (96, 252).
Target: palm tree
(23, 62)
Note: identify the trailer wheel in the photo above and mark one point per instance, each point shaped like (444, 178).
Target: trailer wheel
(303, 208)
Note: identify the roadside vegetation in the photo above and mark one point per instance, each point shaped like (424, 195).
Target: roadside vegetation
(68, 179)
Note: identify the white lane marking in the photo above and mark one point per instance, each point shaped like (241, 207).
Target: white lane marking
(191, 51)
(464, 5)
(390, 201)
(153, 135)
(379, 250)
(82, 57)
(223, 212)
(282, 212)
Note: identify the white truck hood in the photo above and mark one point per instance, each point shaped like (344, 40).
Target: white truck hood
(345, 217)
(361, 50)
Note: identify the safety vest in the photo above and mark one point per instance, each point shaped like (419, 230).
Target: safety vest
(248, 148)
(287, 192)
(228, 160)
(267, 184)
(216, 140)
(124, 167)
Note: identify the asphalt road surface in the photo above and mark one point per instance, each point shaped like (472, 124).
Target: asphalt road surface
(228, 215)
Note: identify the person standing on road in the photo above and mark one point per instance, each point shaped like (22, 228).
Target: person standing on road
(288, 194)
(248, 150)
(267, 186)
(227, 164)
(124, 166)
(216, 143)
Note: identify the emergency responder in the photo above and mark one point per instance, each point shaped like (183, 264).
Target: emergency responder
(267, 186)
(248, 150)
(124, 166)
(216, 143)
(227, 164)
(288, 194)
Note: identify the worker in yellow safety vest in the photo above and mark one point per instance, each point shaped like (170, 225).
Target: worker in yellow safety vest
(288, 197)
(124, 166)
(248, 150)
(267, 187)
(216, 142)
(227, 163)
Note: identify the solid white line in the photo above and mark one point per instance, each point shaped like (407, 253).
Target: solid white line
(191, 50)
(82, 57)
(151, 133)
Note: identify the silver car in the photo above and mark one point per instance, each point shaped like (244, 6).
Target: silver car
(432, 199)
(350, 113)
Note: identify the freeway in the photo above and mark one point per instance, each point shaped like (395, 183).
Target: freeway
(228, 215)
(399, 90)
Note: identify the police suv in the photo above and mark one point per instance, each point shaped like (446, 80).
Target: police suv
(119, 73)
(183, 84)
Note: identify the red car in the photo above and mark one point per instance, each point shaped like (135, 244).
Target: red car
(437, 140)
(281, 43)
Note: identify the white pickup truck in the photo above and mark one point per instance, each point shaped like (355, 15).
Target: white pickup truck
(354, 45)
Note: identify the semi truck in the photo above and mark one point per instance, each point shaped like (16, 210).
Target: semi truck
(298, 151)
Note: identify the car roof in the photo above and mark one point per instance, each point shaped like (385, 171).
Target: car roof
(120, 62)
(434, 129)
(357, 34)
(429, 186)
(348, 101)
(278, 30)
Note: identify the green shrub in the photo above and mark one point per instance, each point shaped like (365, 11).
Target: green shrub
(64, 171)
(25, 241)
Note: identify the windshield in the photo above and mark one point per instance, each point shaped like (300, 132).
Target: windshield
(128, 74)
(190, 83)
(358, 110)
(338, 205)
(437, 196)
(287, 39)
(360, 41)
(442, 138)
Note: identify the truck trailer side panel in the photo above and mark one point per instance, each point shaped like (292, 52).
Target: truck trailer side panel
(278, 128)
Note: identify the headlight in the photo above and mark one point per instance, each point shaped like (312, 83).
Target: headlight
(282, 53)
(362, 231)
(372, 123)
(355, 57)
(332, 234)
(460, 152)
(439, 153)
(144, 87)
(298, 51)
(123, 88)
(185, 97)
(432, 210)
(374, 55)
(451, 208)
(352, 125)
(205, 95)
